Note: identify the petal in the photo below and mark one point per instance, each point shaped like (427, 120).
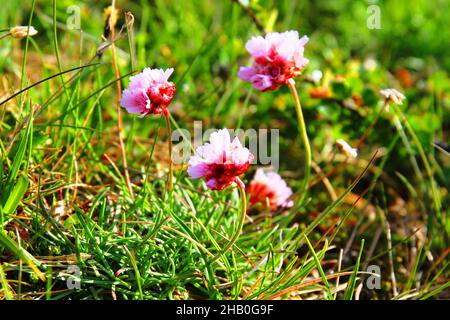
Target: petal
(260, 176)
(220, 145)
(288, 204)
(241, 156)
(212, 184)
(221, 138)
(168, 73)
(262, 82)
(236, 143)
(134, 101)
(198, 171)
(140, 81)
(257, 46)
(304, 40)
(274, 39)
(246, 73)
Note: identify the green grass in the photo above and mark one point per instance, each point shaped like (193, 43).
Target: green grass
(64, 201)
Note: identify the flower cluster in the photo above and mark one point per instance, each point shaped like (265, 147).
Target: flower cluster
(149, 92)
(278, 58)
(269, 189)
(393, 95)
(221, 161)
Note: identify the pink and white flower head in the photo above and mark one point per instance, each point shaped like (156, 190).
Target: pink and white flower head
(149, 92)
(393, 95)
(269, 188)
(221, 161)
(278, 58)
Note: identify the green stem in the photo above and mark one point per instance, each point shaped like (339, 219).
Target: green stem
(169, 128)
(241, 220)
(366, 134)
(434, 192)
(25, 52)
(5, 35)
(304, 137)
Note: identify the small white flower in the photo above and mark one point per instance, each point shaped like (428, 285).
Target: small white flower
(393, 95)
(316, 76)
(21, 31)
(370, 64)
(347, 149)
(60, 208)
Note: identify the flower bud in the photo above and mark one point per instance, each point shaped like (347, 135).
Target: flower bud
(20, 32)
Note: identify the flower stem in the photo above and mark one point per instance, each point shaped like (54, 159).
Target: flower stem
(169, 128)
(118, 89)
(5, 35)
(243, 214)
(304, 137)
(366, 134)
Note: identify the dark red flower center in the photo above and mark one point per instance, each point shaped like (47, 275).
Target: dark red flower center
(160, 97)
(278, 68)
(225, 173)
(260, 193)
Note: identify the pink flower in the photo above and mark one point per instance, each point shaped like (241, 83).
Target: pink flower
(269, 187)
(278, 58)
(221, 161)
(148, 92)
